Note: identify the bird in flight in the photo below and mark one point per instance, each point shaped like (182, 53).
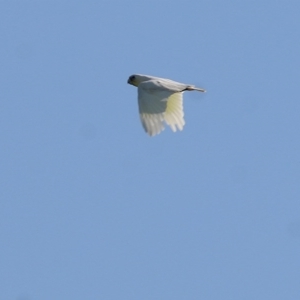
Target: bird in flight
(160, 101)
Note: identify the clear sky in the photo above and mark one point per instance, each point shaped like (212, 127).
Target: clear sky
(93, 208)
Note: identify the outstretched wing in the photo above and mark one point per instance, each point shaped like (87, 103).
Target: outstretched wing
(159, 102)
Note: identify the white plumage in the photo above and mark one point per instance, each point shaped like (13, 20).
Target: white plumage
(160, 100)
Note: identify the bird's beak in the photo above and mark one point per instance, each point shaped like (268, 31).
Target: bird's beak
(132, 82)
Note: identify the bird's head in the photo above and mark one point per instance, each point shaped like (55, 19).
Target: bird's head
(136, 79)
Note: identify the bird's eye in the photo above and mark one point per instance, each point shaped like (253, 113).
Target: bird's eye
(132, 78)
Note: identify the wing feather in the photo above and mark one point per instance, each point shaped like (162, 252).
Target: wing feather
(158, 104)
(174, 112)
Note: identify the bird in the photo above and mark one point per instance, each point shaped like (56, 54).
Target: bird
(160, 101)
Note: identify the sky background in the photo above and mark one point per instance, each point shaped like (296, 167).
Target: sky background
(93, 208)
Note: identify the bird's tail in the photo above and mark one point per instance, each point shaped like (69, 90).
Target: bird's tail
(193, 88)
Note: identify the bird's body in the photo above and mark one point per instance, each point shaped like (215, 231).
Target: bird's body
(160, 100)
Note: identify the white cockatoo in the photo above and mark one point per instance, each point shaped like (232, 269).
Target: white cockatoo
(160, 100)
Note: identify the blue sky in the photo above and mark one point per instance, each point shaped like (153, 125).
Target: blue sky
(93, 208)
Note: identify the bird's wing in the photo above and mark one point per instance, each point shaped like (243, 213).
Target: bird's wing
(159, 103)
(174, 112)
